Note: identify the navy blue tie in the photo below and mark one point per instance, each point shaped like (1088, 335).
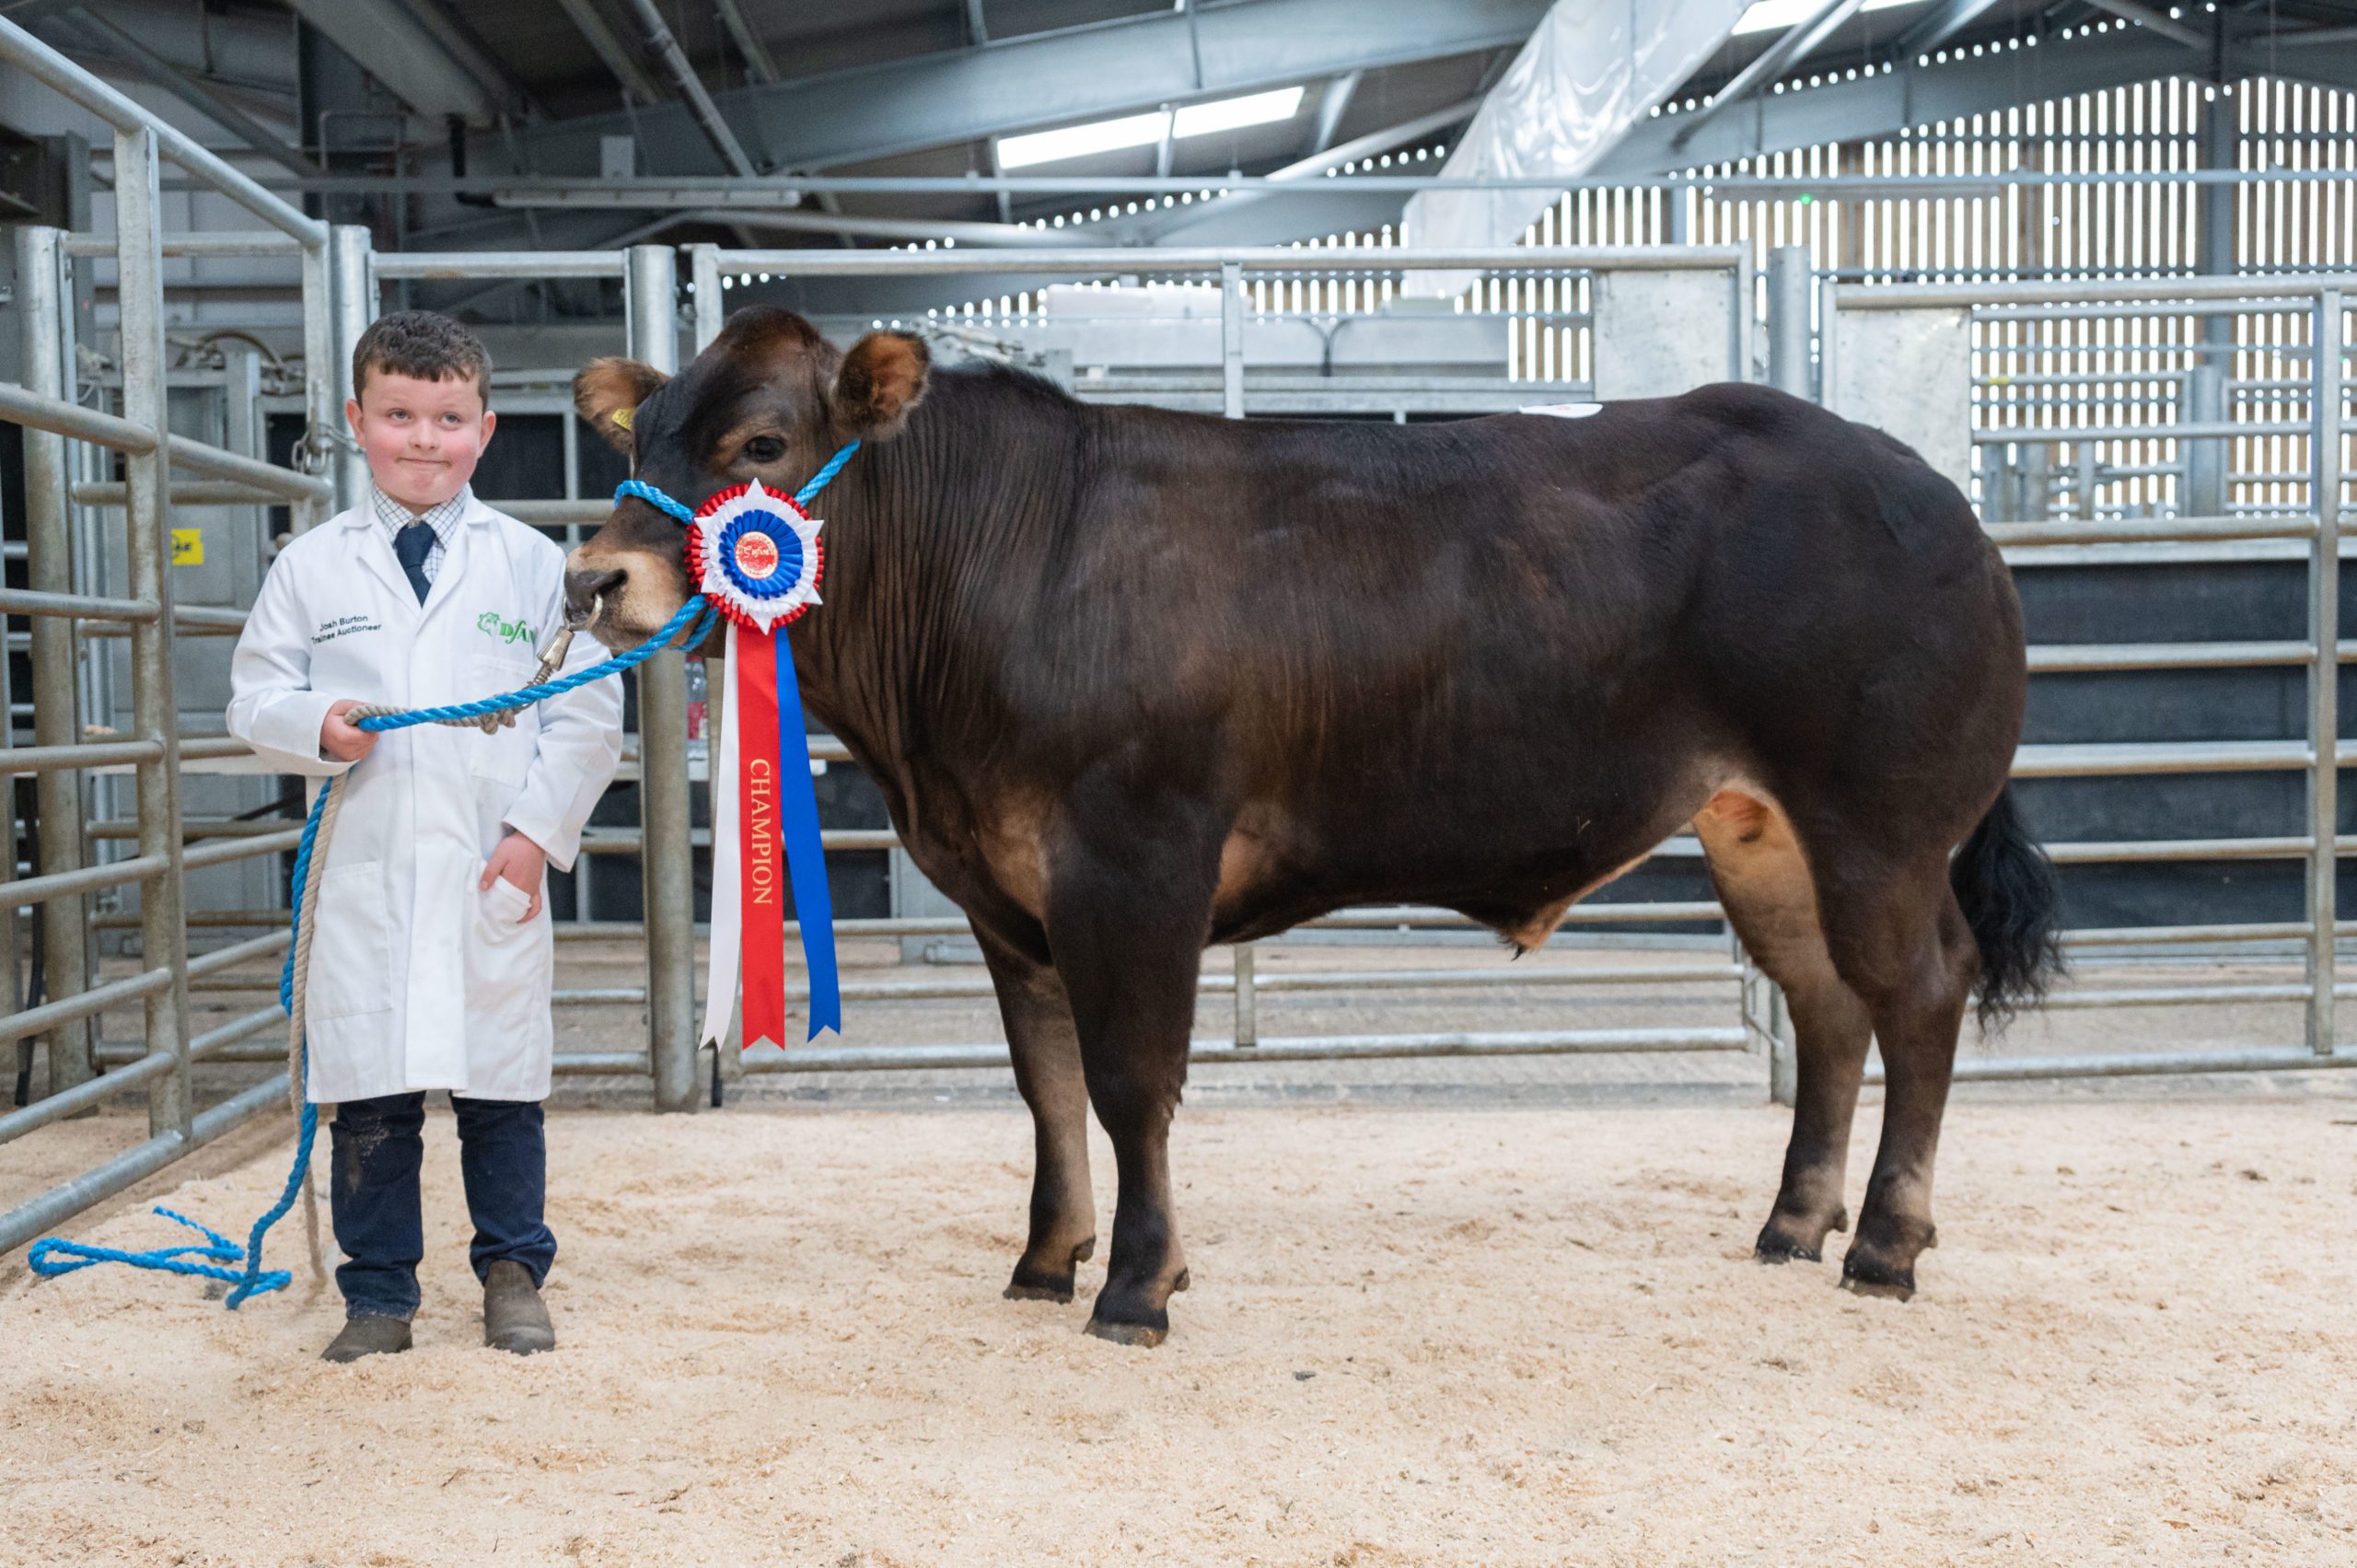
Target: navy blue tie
(410, 547)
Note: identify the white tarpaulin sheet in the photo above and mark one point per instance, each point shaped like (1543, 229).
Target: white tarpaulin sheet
(1592, 69)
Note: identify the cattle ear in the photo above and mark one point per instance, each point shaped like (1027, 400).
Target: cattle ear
(879, 382)
(607, 393)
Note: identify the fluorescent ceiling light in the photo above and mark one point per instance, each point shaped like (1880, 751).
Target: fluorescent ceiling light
(1145, 130)
(1234, 113)
(1079, 141)
(1769, 15)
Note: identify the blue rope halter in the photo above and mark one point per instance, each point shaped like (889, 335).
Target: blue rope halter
(685, 514)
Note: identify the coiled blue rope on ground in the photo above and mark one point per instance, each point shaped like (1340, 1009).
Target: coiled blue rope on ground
(54, 1256)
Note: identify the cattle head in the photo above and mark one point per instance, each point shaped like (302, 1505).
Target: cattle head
(769, 400)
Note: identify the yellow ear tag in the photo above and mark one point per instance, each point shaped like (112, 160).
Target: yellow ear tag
(621, 417)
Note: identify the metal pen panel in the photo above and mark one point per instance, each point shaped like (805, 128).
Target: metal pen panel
(1106, 262)
(2324, 671)
(322, 410)
(53, 70)
(1790, 284)
(668, 864)
(198, 457)
(64, 1201)
(703, 283)
(353, 290)
(52, 413)
(154, 712)
(504, 264)
(48, 568)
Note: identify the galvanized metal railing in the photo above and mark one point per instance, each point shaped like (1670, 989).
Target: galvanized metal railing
(2311, 532)
(46, 408)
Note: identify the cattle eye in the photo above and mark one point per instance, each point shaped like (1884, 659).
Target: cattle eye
(764, 449)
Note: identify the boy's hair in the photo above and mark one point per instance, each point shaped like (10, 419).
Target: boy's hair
(424, 344)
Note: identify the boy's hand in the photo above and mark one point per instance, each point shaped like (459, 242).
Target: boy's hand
(520, 861)
(341, 738)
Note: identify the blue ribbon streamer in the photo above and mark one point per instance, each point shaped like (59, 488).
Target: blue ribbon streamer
(805, 855)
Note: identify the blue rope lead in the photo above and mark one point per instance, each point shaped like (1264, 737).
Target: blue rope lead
(54, 1256)
(697, 610)
(682, 512)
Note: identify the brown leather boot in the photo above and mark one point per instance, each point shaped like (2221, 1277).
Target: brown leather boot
(368, 1336)
(514, 1318)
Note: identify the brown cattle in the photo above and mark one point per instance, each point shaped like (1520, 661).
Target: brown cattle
(1135, 681)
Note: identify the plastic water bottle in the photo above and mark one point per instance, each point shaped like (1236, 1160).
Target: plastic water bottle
(699, 708)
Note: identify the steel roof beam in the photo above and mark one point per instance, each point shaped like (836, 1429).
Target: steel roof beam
(1909, 95)
(1947, 19)
(390, 43)
(2145, 17)
(590, 23)
(748, 42)
(666, 49)
(1072, 75)
(184, 86)
(1771, 64)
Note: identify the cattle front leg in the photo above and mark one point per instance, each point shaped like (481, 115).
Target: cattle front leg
(1129, 911)
(1046, 1051)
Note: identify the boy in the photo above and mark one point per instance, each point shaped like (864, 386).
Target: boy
(431, 957)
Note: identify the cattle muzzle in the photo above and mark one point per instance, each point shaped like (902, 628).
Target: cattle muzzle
(585, 590)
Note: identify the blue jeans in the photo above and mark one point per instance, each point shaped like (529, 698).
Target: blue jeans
(502, 1155)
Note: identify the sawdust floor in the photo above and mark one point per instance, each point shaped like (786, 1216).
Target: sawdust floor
(1416, 1336)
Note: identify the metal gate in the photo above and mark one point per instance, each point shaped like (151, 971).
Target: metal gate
(2048, 399)
(60, 612)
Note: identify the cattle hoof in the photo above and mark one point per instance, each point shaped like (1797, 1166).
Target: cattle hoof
(1785, 1249)
(1145, 1336)
(1867, 1276)
(1033, 1283)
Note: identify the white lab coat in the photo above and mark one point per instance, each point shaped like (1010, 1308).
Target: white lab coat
(418, 979)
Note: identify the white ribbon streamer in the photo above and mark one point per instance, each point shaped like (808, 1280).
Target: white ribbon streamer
(728, 934)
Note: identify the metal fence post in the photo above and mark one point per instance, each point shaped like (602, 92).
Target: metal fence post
(322, 409)
(1789, 281)
(57, 793)
(2323, 675)
(709, 313)
(2208, 462)
(154, 712)
(703, 279)
(666, 860)
(1231, 339)
(353, 290)
(1231, 356)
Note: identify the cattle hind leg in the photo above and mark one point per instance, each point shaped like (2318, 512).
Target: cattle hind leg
(1901, 940)
(1763, 883)
(1045, 1052)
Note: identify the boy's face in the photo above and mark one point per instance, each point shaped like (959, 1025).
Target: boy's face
(423, 439)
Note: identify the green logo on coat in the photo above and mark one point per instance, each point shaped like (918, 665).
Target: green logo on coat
(491, 625)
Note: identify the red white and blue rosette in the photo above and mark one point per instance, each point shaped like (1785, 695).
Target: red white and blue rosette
(756, 556)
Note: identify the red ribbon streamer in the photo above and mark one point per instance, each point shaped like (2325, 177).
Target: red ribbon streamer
(761, 838)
